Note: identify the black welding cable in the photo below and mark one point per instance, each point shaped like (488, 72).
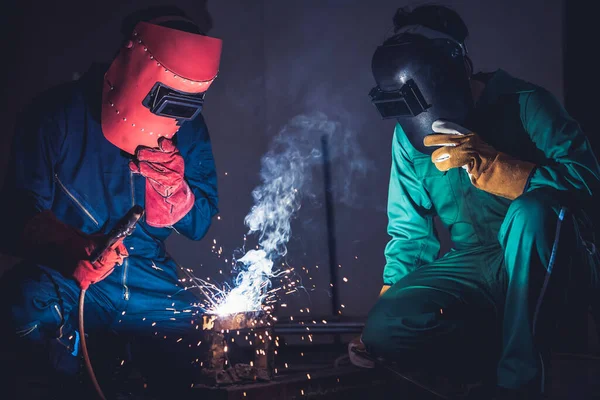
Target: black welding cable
(86, 356)
(403, 376)
(414, 382)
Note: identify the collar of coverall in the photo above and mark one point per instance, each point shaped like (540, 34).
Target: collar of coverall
(502, 83)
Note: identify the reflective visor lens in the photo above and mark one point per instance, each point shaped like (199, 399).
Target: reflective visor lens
(389, 105)
(406, 102)
(167, 102)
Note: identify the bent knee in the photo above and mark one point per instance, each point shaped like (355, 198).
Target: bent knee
(390, 333)
(534, 205)
(34, 318)
(535, 212)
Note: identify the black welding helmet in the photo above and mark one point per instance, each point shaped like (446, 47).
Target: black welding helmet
(421, 77)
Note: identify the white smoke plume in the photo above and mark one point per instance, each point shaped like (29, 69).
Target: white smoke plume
(286, 174)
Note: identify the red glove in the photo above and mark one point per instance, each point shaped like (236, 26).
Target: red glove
(87, 273)
(51, 242)
(168, 196)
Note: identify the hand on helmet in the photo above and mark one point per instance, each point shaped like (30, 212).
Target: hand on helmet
(489, 170)
(168, 196)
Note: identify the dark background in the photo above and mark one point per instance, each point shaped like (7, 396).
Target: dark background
(281, 59)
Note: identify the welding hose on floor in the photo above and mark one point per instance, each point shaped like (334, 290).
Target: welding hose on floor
(86, 356)
(124, 227)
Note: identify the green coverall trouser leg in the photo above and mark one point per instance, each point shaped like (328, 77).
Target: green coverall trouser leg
(489, 307)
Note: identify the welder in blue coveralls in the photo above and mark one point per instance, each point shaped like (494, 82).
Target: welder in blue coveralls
(83, 154)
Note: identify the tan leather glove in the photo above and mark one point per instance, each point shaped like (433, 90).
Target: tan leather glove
(489, 170)
(384, 289)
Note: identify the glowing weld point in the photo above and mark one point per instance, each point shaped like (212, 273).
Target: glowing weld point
(154, 323)
(179, 340)
(199, 343)
(286, 365)
(122, 362)
(308, 376)
(345, 279)
(123, 313)
(302, 392)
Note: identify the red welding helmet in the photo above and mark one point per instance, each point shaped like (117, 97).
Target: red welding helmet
(156, 82)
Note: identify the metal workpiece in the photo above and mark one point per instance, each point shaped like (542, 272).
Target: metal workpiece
(240, 348)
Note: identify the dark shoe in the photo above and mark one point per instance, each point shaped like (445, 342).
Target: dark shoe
(358, 354)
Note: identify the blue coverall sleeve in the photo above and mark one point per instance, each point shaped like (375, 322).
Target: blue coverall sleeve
(571, 164)
(410, 219)
(28, 184)
(201, 176)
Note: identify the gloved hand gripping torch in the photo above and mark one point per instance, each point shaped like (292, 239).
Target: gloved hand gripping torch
(123, 228)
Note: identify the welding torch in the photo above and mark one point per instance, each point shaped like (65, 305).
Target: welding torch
(124, 227)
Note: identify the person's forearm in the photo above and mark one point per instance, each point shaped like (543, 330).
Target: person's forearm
(47, 240)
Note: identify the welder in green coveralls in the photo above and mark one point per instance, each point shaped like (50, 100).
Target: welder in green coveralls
(507, 171)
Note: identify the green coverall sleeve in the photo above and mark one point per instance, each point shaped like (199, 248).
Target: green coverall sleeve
(571, 164)
(410, 219)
